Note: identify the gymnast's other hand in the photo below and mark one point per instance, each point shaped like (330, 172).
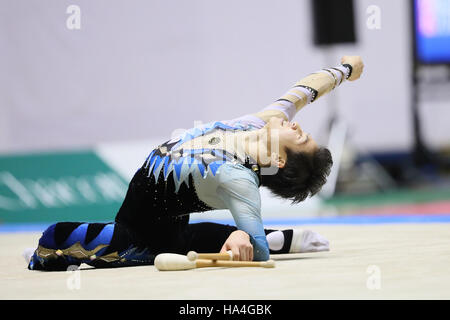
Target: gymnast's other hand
(239, 244)
(357, 65)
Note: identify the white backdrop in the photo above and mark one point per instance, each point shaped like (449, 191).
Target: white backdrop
(140, 69)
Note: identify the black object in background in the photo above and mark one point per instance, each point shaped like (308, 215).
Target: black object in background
(334, 21)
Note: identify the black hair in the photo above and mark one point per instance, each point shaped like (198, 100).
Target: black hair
(303, 175)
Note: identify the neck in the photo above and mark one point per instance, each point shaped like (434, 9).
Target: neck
(255, 144)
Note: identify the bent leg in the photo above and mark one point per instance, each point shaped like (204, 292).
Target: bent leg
(102, 245)
(210, 237)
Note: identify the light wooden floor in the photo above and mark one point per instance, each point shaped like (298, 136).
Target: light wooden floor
(396, 261)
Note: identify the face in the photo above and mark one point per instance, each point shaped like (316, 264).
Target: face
(290, 136)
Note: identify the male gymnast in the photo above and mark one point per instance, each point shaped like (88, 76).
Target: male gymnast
(218, 165)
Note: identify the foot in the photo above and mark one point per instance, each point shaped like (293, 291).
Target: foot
(308, 241)
(27, 254)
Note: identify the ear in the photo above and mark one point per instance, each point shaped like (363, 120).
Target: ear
(277, 160)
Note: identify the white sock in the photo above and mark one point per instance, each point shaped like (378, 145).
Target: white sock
(308, 241)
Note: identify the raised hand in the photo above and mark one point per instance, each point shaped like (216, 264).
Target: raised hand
(357, 65)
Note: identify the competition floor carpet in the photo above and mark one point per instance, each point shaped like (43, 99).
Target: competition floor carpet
(382, 250)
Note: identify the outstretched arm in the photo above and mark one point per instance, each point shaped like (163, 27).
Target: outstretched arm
(312, 87)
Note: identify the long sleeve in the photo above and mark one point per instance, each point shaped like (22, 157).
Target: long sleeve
(305, 92)
(241, 196)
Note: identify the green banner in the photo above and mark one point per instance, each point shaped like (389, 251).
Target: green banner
(52, 187)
